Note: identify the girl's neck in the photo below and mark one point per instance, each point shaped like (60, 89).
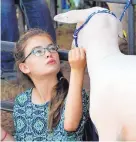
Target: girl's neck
(44, 88)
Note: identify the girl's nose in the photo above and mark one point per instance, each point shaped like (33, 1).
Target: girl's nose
(48, 54)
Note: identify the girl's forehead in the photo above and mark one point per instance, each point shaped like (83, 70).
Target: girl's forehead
(40, 40)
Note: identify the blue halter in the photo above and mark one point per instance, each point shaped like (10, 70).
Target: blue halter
(125, 9)
(75, 35)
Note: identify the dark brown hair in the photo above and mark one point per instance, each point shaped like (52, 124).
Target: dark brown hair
(61, 87)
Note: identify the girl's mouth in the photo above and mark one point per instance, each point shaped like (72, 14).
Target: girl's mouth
(52, 61)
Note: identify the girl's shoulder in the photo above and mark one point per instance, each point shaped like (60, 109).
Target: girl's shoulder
(23, 97)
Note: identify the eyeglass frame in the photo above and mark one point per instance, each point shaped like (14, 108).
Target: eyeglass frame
(45, 49)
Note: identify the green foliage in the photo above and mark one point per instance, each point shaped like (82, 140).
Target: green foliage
(72, 4)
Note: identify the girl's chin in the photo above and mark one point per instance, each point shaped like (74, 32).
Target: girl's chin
(51, 72)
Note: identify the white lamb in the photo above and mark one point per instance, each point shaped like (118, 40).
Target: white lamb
(112, 74)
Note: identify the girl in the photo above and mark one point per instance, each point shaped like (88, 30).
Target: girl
(53, 109)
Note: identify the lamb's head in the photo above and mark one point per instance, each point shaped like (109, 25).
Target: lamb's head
(80, 16)
(76, 16)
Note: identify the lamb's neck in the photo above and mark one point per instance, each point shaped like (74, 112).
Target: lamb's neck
(98, 50)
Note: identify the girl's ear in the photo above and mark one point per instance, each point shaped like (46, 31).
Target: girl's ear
(24, 68)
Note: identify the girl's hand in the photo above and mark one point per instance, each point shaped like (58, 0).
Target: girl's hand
(77, 59)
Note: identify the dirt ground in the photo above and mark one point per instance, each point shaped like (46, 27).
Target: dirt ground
(10, 89)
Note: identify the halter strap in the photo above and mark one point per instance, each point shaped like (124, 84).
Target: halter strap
(75, 35)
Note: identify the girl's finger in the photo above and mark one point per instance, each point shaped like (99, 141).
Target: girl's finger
(84, 49)
(77, 53)
(82, 53)
(74, 53)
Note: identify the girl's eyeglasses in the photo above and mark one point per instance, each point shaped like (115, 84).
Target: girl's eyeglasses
(40, 51)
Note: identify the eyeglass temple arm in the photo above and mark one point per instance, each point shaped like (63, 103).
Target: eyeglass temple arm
(27, 56)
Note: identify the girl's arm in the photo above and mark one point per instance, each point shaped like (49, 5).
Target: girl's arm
(73, 107)
(5, 136)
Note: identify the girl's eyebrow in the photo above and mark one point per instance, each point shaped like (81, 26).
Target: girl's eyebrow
(40, 46)
(49, 45)
(36, 47)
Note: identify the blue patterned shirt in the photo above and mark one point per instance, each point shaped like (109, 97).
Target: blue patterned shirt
(30, 121)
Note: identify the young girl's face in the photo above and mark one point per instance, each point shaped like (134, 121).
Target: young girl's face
(43, 60)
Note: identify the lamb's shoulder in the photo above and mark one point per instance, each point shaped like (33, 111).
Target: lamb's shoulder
(116, 75)
(117, 68)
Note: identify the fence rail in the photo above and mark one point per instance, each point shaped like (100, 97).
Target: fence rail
(116, 1)
(7, 106)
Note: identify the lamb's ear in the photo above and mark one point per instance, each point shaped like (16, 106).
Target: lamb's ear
(120, 29)
(70, 17)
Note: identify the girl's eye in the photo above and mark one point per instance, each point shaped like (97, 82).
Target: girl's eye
(38, 52)
(52, 48)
